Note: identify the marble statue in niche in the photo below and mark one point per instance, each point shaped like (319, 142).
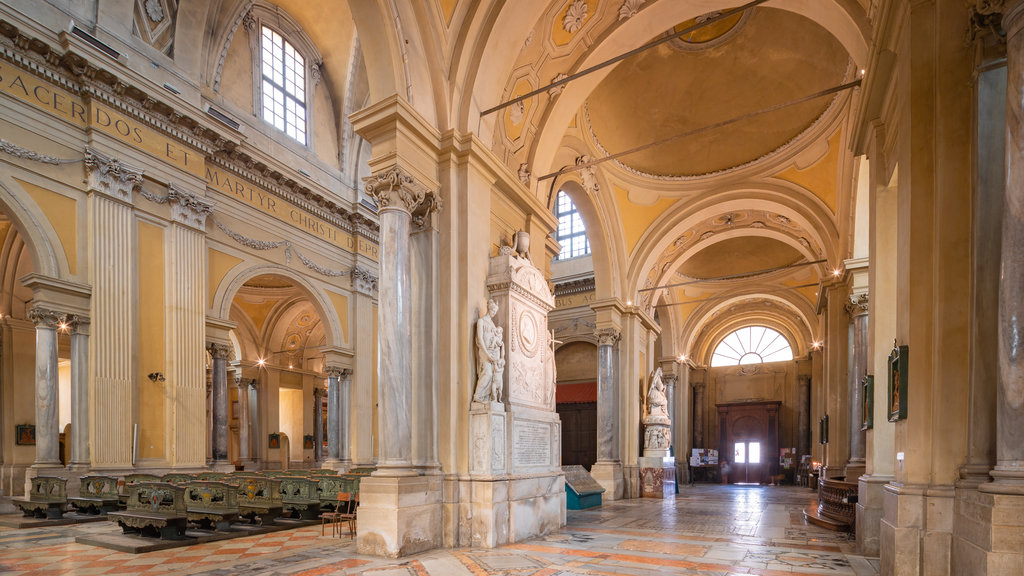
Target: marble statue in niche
(490, 357)
(657, 402)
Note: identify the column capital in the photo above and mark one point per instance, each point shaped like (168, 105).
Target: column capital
(46, 318)
(857, 305)
(337, 371)
(76, 323)
(396, 189)
(319, 392)
(364, 281)
(188, 208)
(219, 351)
(607, 336)
(110, 176)
(698, 386)
(669, 380)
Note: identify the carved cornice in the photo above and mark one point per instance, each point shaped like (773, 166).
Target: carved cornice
(575, 286)
(110, 176)
(45, 318)
(188, 208)
(395, 189)
(219, 351)
(607, 336)
(364, 281)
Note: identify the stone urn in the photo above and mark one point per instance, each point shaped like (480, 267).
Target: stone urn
(521, 243)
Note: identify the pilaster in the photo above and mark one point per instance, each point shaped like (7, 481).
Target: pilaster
(47, 394)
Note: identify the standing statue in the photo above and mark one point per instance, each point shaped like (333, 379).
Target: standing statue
(657, 402)
(490, 357)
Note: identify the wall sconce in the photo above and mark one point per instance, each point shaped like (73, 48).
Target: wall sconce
(155, 377)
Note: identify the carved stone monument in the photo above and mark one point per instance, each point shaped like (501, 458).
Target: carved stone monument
(515, 435)
(657, 467)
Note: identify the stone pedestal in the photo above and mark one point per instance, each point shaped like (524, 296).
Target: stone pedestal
(657, 476)
(609, 475)
(399, 515)
(869, 513)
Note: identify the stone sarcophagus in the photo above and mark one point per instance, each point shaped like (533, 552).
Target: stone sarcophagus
(515, 433)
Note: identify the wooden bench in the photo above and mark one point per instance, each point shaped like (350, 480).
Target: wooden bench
(177, 478)
(47, 498)
(259, 497)
(155, 509)
(210, 476)
(97, 495)
(300, 496)
(211, 505)
(131, 479)
(329, 487)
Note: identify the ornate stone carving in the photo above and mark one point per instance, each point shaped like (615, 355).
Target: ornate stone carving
(154, 10)
(316, 267)
(575, 16)
(987, 20)
(857, 305)
(75, 323)
(44, 317)
(421, 215)
(188, 208)
(316, 72)
(629, 8)
(657, 438)
(333, 371)
(110, 176)
(490, 357)
(607, 336)
(657, 402)
(249, 242)
(364, 281)
(220, 351)
(26, 154)
(394, 189)
(319, 392)
(588, 175)
(524, 174)
(556, 90)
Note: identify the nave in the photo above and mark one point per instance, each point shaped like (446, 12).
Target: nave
(710, 530)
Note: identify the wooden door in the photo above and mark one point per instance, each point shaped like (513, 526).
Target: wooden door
(579, 433)
(749, 439)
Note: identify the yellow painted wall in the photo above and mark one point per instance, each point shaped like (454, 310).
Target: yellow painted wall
(448, 8)
(821, 177)
(636, 218)
(218, 265)
(151, 341)
(62, 212)
(340, 303)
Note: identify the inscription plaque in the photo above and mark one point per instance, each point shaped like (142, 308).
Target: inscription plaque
(531, 443)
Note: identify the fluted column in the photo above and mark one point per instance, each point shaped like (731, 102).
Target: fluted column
(333, 413)
(397, 195)
(220, 353)
(1009, 470)
(111, 184)
(79, 327)
(344, 419)
(607, 392)
(318, 424)
(698, 415)
(243, 420)
(47, 400)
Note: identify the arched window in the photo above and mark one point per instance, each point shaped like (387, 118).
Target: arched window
(572, 235)
(283, 85)
(752, 345)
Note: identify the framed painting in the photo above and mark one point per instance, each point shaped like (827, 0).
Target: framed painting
(25, 434)
(274, 442)
(307, 442)
(899, 361)
(867, 399)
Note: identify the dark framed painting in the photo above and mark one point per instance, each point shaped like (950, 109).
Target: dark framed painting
(274, 442)
(823, 430)
(25, 434)
(867, 401)
(899, 361)
(307, 442)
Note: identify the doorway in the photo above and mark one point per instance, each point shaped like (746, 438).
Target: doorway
(749, 439)
(747, 461)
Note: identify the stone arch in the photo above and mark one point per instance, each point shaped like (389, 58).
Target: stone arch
(601, 252)
(244, 272)
(38, 236)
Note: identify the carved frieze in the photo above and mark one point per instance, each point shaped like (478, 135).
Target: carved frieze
(364, 282)
(110, 176)
(629, 8)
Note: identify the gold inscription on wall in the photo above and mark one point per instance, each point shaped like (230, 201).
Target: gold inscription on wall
(42, 95)
(138, 135)
(285, 211)
(573, 300)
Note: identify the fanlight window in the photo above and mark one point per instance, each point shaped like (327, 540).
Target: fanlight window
(752, 345)
(284, 85)
(572, 235)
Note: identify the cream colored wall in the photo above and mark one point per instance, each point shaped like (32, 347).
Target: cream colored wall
(772, 381)
(576, 362)
(290, 415)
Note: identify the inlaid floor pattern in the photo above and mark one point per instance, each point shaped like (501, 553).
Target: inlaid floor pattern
(706, 530)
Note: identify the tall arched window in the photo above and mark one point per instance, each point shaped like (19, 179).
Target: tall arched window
(572, 235)
(284, 85)
(752, 345)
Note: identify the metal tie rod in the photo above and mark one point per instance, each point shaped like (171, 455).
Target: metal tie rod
(625, 55)
(735, 276)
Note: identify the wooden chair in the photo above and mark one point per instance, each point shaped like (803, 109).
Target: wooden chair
(349, 515)
(343, 508)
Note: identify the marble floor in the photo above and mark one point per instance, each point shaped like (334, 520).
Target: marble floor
(706, 530)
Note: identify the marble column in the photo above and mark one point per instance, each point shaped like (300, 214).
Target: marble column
(698, 415)
(804, 416)
(344, 416)
(256, 442)
(670, 397)
(858, 309)
(1009, 471)
(607, 393)
(397, 194)
(243, 420)
(79, 327)
(47, 392)
(318, 424)
(333, 413)
(220, 353)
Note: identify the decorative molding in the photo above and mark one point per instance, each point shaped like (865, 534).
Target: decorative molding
(110, 176)
(575, 15)
(245, 19)
(364, 282)
(155, 10)
(316, 72)
(220, 351)
(430, 205)
(333, 371)
(524, 174)
(45, 318)
(588, 175)
(575, 286)
(986, 19)
(607, 336)
(188, 208)
(26, 154)
(250, 242)
(629, 8)
(556, 90)
(318, 268)
(76, 323)
(395, 189)
(574, 326)
(857, 304)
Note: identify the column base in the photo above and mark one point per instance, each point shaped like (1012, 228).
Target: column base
(988, 540)
(855, 469)
(1005, 481)
(399, 516)
(609, 475)
(869, 513)
(916, 534)
(336, 464)
(657, 477)
(222, 466)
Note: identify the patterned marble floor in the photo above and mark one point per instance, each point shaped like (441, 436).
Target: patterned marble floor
(707, 530)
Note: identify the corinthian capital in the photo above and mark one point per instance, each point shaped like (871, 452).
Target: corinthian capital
(188, 208)
(607, 336)
(45, 318)
(110, 176)
(336, 371)
(219, 351)
(395, 189)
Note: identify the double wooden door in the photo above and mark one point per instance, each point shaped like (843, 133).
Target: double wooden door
(749, 440)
